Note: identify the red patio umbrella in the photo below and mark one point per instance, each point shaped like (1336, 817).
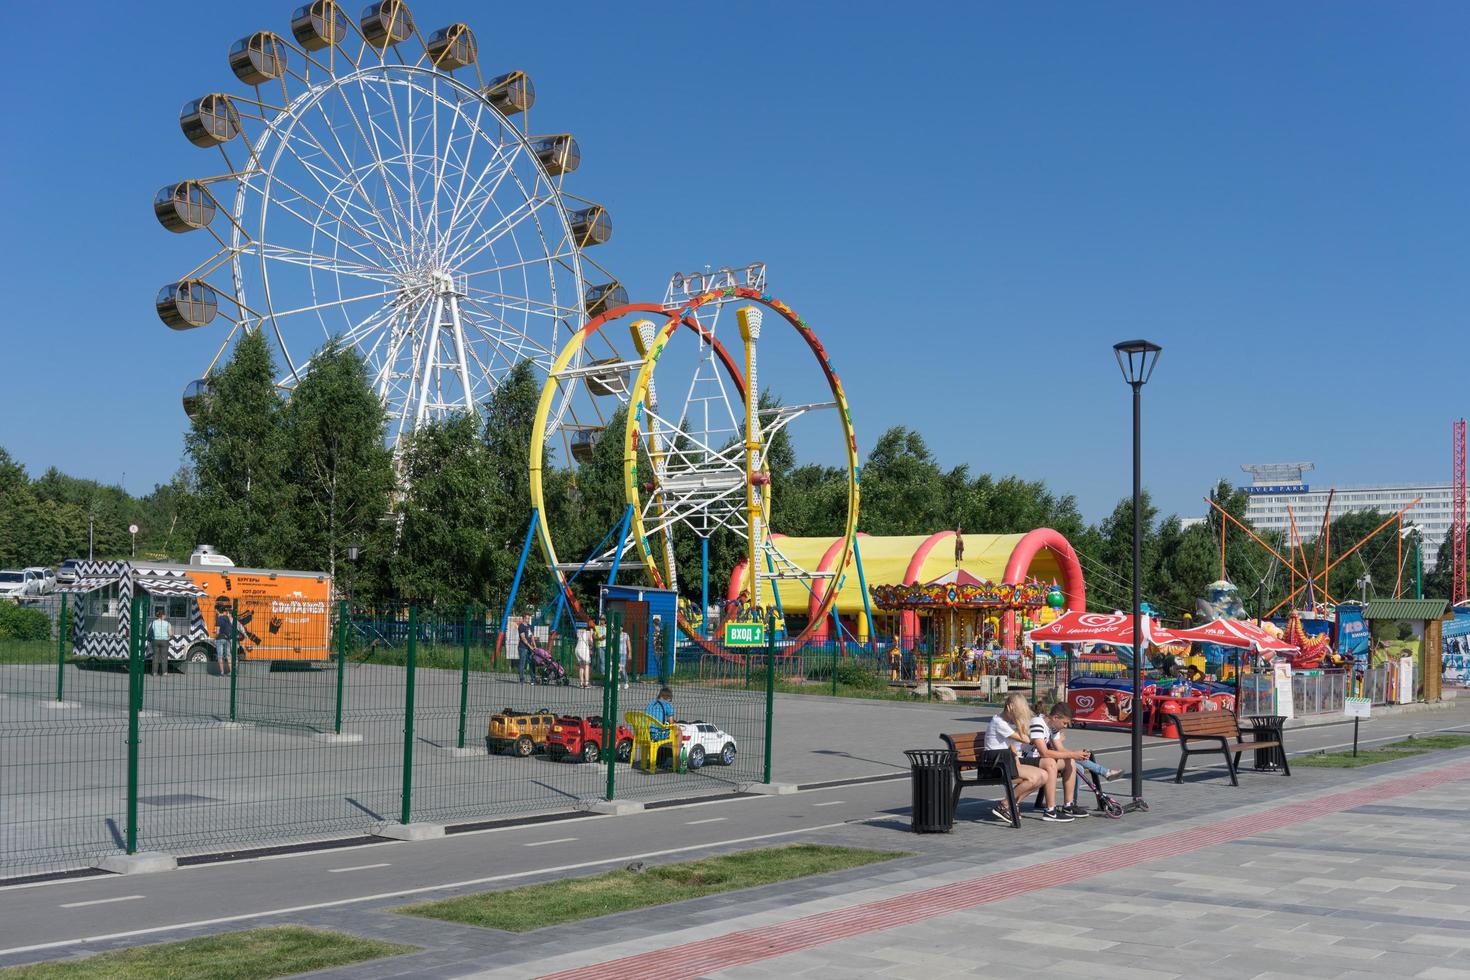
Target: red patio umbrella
(1115, 629)
(1238, 633)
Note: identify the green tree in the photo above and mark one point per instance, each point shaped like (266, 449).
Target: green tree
(237, 445)
(444, 537)
(339, 472)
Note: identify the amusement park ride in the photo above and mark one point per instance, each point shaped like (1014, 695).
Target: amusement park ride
(379, 190)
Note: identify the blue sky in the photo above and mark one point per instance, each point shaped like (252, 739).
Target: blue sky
(969, 203)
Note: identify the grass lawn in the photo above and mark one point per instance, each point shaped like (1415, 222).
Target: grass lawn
(555, 902)
(256, 954)
(28, 652)
(1387, 753)
(1346, 760)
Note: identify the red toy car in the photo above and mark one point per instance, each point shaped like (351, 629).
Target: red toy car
(581, 738)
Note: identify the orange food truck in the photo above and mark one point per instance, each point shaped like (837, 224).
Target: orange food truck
(283, 615)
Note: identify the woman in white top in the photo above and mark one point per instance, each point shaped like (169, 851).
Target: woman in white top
(584, 656)
(1007, 731)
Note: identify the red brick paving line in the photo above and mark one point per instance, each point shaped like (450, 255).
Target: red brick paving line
(696, 959)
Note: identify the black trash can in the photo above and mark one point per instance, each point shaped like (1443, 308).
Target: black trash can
(1267, 728)
(932, 776)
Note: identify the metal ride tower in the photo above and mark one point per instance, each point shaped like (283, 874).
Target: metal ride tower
(692, 468)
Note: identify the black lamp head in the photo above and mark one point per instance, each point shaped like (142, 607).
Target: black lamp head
(1137, 359)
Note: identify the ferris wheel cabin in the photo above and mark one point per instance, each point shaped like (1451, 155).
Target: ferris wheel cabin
(319, 25)
(387, 23)
(187, 304)
(613, 381)
(591, 226)
(559, 154)
(584, 444)
(452, 47)
(511, 93)
(196, 395)
(184, 206)
(210, 120)
(258, 59)
(600, 299)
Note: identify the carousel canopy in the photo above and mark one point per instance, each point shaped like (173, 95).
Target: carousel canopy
(958, 589)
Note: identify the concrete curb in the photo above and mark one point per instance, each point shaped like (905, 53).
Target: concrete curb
(616, 808)
(411, 831)
(142, 863)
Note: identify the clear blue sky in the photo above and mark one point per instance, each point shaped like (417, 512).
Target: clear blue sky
(970, 203)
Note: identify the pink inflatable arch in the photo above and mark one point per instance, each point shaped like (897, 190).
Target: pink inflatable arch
(1074, 589)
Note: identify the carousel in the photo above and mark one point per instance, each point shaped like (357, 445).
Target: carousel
(963, 615)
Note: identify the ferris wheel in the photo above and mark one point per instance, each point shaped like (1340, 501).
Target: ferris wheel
(378, 190)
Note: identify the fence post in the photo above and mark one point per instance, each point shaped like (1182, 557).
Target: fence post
(344, 628)
(234, 651)
(929, 660)
(135, 699)
(413, 637)
(834, 668)
(464, 676)
(610, 686)
(61, 650)
(770, 696)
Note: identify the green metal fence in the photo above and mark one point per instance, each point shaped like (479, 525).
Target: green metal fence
(244, 750)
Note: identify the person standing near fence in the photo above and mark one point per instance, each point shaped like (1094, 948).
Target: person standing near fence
(224, 635)
(584, 655)
(159, 632)
(625, 654)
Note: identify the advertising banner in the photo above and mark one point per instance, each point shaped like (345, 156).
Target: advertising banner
(1281, 676)
(1352, 635)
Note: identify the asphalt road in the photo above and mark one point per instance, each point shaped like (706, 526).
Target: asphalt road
(75, 911)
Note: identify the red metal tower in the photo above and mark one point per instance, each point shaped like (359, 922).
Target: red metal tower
(1458, 510)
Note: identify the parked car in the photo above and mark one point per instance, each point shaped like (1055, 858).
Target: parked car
(581, 738)
(66, 573)
(13, 584)
(45, 579)
(523, 731)
(706, 742)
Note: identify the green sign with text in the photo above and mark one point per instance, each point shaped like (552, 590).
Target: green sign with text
(745, 634)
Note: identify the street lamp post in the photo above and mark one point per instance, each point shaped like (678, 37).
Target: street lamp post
(1137, 359)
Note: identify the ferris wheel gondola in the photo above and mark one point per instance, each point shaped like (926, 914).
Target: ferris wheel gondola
(379, 191)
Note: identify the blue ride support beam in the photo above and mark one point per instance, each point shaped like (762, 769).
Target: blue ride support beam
(775, 588)
(704, 587)
(515, 585)
(612, 575)
(857, 553)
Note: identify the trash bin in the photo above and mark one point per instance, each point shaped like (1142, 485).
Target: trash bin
(1267, 728)
(932, 776)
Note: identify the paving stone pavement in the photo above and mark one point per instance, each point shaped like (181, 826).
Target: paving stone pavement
(1379, 890)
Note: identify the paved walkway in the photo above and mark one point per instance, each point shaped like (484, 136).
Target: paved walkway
(1368, 881)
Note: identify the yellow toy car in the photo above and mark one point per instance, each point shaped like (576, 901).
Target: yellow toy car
(523, 731)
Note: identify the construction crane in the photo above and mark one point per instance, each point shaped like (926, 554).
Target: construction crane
(1457, 505)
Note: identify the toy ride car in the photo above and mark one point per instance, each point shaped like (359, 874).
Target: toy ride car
(704, 742)
(523, 731)
(573, 737)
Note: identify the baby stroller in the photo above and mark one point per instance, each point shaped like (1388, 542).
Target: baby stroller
(545, 669)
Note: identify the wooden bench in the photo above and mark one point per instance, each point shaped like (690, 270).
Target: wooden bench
(1217, 728)
(975, 765)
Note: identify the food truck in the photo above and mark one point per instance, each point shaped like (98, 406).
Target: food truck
(283, 615)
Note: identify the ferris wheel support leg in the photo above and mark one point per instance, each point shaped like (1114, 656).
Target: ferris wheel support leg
(515, 585)
(704, 587)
